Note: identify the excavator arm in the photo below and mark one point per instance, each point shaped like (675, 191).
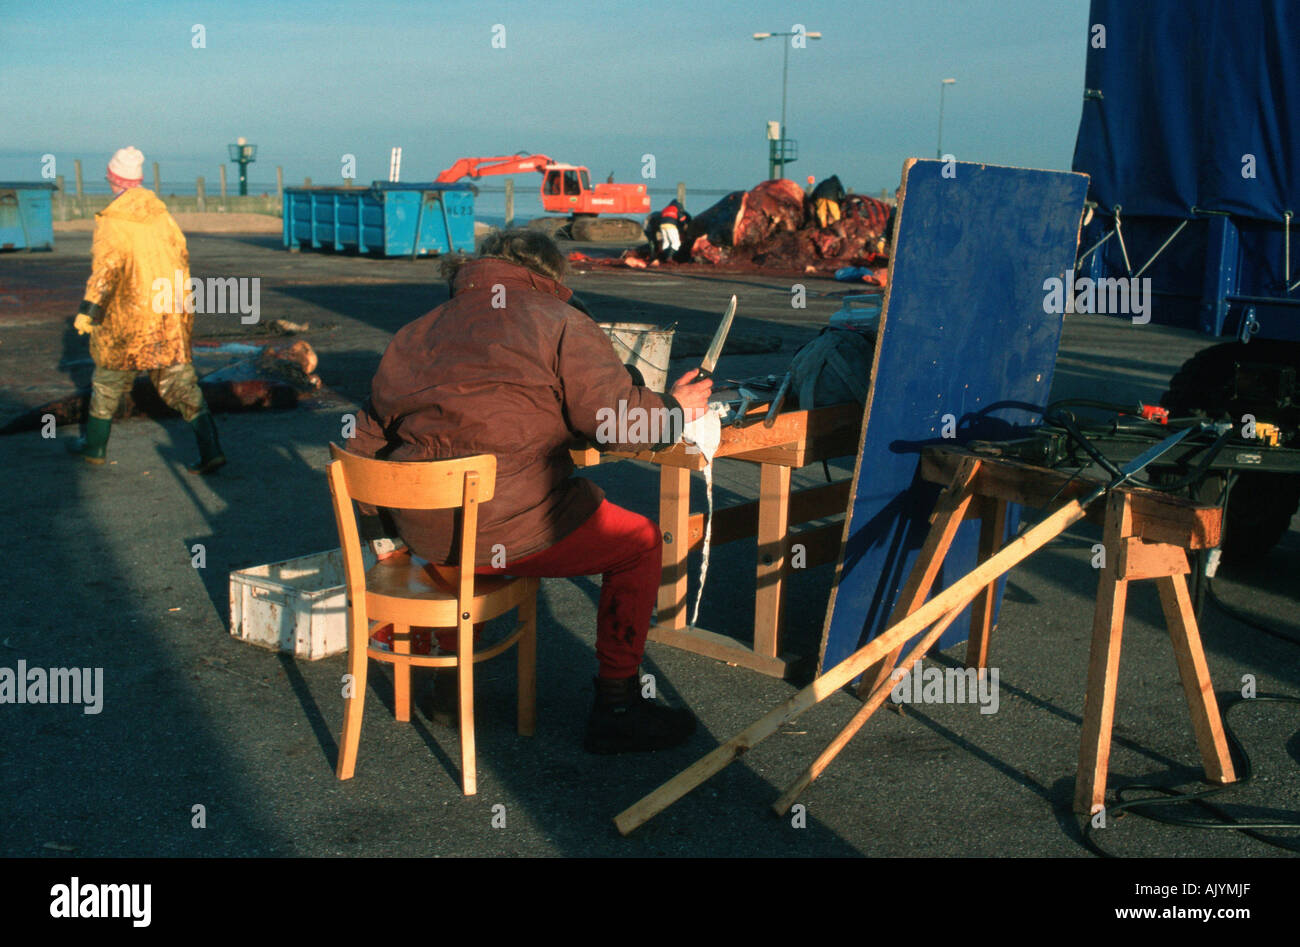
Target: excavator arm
(503, 164)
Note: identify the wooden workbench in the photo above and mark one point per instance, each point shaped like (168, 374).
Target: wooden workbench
(795, 439)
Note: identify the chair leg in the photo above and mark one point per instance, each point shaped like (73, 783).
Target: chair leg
(465, 678)
(401, 674)
(355, 700)
(527, 646)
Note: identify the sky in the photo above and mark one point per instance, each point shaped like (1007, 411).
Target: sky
(596, 83)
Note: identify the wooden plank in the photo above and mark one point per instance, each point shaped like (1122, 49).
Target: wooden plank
(740, 520)
(843, 443)
(1195, 674)
(790, 428)
(956, 596)
(773, 525)
(674, 520)
(964, 348)
(1157, 517)
(872, 704)
(721, 648)
(814, 547)
(1143, 560)
(1103, 664)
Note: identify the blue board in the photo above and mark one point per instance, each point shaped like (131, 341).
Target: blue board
(963, 333)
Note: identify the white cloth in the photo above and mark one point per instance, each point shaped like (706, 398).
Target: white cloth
(703, 435)
(669, 237)
(127, 163)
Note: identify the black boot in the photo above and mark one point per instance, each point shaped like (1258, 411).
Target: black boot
(210, 455)
(622, 721)
(94, 446)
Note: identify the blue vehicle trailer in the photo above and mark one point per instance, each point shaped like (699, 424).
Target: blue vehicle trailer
(386, 219)
(1191, 136)
(26, 215)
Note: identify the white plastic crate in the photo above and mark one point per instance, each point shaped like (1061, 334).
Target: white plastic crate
(297, 606)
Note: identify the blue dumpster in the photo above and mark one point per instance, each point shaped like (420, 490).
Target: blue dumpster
(26, 215)
(384, 219)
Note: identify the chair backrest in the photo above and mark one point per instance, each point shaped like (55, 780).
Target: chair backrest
(463, 483)
(421, 485)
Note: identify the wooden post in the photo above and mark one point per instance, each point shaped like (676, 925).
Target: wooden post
(1103, 660)
(681, 193)
(157, 179)
(773, 526)
(674, 520)
(510, 201)
(279, 187)
(306, 182)
(347, 182)
(81, 195)
(63, 198)
(200, 201)
(222, 170)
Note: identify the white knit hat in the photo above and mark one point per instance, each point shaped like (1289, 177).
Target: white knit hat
(127, 164)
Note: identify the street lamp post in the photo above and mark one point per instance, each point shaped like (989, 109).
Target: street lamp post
(243, 154)
(943, 85)
(777, 158)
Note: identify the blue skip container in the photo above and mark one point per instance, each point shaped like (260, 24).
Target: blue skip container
(26, 215)
(385, 219)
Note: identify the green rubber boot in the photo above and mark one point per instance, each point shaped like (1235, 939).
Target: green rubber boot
(210, 455)
(94, 445)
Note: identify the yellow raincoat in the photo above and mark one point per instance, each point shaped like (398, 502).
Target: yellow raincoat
(145, 324)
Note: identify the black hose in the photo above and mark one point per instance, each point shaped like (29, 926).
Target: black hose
(1223, 820)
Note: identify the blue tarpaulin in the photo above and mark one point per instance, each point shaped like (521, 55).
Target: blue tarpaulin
(1182, 92)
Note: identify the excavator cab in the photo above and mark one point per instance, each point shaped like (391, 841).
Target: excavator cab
(570, 183)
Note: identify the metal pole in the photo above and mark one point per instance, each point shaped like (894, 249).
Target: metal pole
(785, 72)
(243, 177)
(938, 152)
(81, 195)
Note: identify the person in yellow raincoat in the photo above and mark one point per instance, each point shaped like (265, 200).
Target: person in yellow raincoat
(136, 314)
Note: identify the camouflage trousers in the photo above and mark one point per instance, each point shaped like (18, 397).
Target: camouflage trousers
(177, 385)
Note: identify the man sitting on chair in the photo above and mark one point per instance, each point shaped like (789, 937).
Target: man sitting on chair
(508, 367)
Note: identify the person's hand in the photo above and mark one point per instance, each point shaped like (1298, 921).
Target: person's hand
(83, 324)
(693, 396)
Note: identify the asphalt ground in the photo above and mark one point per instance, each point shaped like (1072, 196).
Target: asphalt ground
(99, 573)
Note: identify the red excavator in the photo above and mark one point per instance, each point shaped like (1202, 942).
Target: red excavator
(566, 189)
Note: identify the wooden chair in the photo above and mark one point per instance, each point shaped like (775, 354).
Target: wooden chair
(401, 593)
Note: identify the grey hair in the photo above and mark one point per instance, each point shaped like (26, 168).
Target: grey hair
(528, 248)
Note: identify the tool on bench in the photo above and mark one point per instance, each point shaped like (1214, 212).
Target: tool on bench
(778, 400)
(719, 338)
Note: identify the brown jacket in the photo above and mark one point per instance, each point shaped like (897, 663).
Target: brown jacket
(506, 367)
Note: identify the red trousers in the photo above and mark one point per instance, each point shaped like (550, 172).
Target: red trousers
(625, 550)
